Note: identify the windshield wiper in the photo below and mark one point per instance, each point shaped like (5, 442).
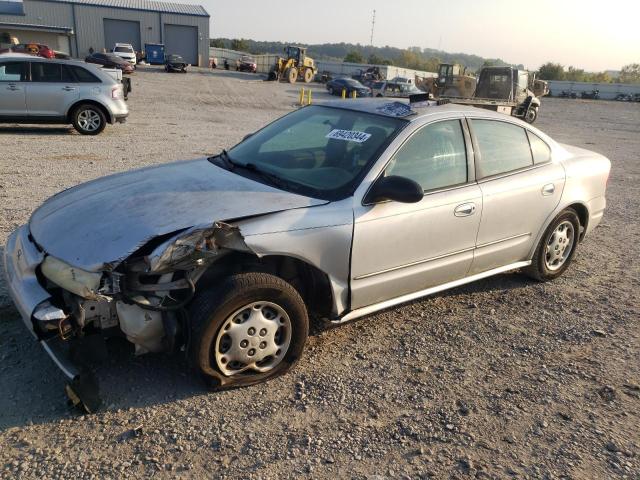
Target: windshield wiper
(224, 156)
(269, 177)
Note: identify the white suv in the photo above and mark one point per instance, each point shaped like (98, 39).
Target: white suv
(39, 90)
(125, 51)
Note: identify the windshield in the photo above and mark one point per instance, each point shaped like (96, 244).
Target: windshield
(123, 50)
(175, 58)
(318, 151)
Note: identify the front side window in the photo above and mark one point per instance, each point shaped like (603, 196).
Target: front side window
(504, 147)
(50, 72)
(435, 156)
(12, 72)
(319, 151)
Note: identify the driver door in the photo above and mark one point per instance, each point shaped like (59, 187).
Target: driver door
(402, 248)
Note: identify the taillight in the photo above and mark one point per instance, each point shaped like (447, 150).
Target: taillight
(116, 92)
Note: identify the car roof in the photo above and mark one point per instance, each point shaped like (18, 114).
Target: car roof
(16, 55)
(372, 105)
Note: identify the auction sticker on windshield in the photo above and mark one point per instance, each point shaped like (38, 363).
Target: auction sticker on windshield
(349, 135)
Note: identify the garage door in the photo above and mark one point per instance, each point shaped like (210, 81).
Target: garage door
(121, 31)
(182, 40)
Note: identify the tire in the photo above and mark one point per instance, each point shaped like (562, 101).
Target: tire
(292, 74)
(330, 90)
(308, 75)
(541, 268)
(531, 115)
(88, 119)
(218, 308)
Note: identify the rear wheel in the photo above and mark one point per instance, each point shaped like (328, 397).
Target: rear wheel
(556, 248)
(330, 90)
(292, 75)
(250, 328)
(89, 119)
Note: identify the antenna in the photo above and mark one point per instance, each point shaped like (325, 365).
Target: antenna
(373, 24)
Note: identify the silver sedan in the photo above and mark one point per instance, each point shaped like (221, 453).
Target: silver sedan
(333, 212)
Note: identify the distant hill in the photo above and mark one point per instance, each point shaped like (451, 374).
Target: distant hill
(414, 57)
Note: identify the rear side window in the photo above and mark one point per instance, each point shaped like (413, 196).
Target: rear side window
(12, 72)
(541, 151)
(50, 72)
(84, 76)
(434, 156)
(504, 147)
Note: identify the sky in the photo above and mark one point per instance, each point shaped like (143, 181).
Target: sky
(588, 34)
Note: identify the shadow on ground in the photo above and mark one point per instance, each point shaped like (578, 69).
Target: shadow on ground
(35, 130)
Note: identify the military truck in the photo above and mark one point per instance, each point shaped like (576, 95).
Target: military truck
(505, 90)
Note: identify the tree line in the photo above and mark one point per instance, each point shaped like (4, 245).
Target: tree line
(426, 59)
(554, 71)
(416, 58)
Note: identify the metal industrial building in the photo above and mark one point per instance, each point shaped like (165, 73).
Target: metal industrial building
(75, 26)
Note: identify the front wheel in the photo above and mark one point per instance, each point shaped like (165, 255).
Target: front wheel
(89, 119)
(248, 329)
(531, 115)
(556, 248)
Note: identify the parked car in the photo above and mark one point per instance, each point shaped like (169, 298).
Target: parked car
(593, 94)
(394, 89)
(38, 49)
(246, 64)
(110, 60)
(37, 90)
(126, 52)
(175, 63)
(333, 211)
(349, 85)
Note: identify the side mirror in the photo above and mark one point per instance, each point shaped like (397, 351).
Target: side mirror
(393, 187)
(247, 136)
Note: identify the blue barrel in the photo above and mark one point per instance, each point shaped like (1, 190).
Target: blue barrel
(154, 53)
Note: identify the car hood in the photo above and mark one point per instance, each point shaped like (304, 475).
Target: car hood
(98, 224)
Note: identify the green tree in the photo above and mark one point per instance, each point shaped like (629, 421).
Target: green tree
(239, 44)
(354, 56)
(630, 73)
(551, 71)
(375, 59)
(575, 74)
(216, 43)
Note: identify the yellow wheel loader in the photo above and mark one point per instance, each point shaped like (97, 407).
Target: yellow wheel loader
(296, 66)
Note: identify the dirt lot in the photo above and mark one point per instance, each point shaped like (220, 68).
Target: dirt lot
(503, 378)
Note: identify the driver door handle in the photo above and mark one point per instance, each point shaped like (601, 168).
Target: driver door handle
(465, 209)
(68, 89)
(13, 88)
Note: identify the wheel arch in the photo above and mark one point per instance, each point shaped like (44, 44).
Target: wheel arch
(313, 284)
(102, 107)
(581, 210)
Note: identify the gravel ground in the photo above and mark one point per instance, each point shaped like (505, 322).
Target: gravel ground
(502, 378)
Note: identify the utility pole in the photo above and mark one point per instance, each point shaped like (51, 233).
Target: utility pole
(373, 24)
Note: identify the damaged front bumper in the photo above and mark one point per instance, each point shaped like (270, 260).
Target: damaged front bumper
(21, 259)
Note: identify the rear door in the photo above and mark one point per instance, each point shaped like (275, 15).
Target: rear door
(518, 193)
(51, 91)
(13, 75)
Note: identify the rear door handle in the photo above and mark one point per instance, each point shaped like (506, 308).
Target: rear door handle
(465, 209)
(68, 89)
(548, 189)
(13, 88)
